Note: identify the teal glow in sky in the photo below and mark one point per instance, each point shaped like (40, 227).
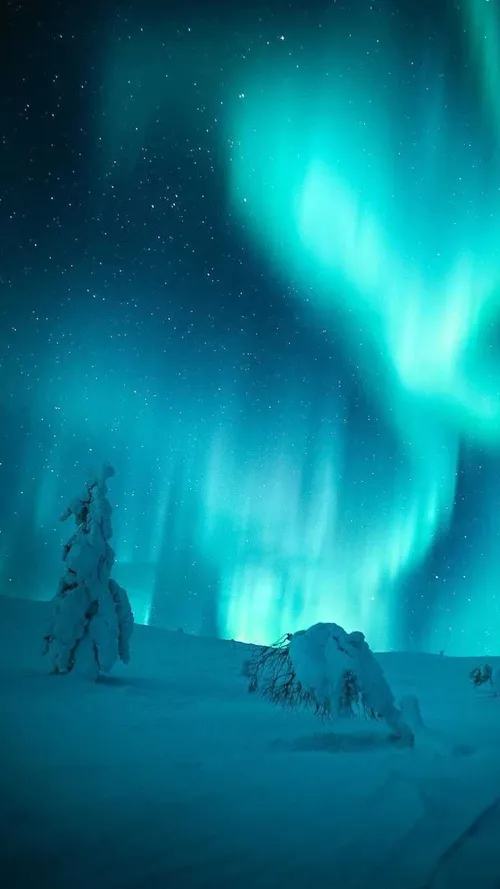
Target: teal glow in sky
(481, 27)
(393, 243)
(261, 277)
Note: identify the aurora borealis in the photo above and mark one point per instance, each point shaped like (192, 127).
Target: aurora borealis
(252, 259)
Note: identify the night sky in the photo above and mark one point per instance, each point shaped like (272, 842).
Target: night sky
(250, 254)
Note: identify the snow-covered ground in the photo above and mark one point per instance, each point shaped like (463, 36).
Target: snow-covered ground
(169, 774)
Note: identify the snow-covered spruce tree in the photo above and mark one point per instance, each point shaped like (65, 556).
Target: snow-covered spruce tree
(91, 620)
(328, 670)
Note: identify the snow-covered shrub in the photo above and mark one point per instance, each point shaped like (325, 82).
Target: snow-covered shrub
(328, 670)
(272, 675)
(481, 674)
(495, 681)
(91, 620)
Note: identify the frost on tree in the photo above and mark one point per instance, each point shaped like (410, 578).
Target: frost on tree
(333, 672)
(92, 620)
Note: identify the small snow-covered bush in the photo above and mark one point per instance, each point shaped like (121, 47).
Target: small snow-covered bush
(495, 681)
(485, 674)
(91, 620)
(328, 670)
(481, 674)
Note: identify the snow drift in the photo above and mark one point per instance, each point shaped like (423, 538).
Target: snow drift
(169, 774)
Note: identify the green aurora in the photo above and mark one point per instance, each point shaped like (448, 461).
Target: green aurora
(382, 223)
(361, 173)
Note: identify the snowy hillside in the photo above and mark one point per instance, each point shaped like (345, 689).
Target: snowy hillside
(168, 774)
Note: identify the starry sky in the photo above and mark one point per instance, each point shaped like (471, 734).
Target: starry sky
(250, 255)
